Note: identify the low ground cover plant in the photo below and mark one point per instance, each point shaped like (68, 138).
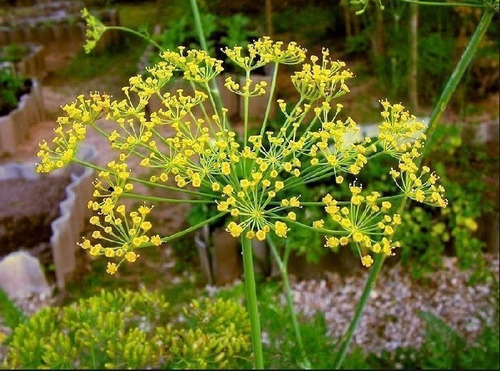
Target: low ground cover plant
(132, 329)
(12, 87)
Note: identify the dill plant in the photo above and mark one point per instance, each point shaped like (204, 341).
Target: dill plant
(124, 329)
(189, 146)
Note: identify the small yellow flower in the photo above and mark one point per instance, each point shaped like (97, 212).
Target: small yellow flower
(131, 256)
(357, 237)
(261, 235)
(332, 242)
(367, 260)
(280, 229)
(318, 224)
(234, 229)
(112, 268)
(156, 240)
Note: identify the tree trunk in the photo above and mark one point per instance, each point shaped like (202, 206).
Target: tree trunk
(158, 11)
(413, 69)
(347, 18)
(269, 18)
(378, 44)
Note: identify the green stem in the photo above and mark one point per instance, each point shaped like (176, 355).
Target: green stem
(441, 3)
(377, 266)
(143, 181)
(136, 33)
(201, 35)
(457, 74)
(193, 228)
(245, 112)
(270, 100)
(251, 297)
(165, 200)
(435, 117)
(289, 299)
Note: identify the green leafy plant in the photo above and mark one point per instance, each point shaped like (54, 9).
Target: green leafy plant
(9, 311)
(217, 332)
(281, 349)
(12, 87)
(238, 30)
(132, 329)
(219, 32)
(13, 52)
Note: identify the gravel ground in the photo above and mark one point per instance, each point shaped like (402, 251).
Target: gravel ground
(390, 319)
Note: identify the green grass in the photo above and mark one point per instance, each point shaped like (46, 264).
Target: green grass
(145, 14)
(120, 60)
(11, 314)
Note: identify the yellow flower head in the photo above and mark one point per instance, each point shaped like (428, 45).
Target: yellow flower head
(95, 29)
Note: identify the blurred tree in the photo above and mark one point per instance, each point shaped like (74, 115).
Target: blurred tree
(413, 70)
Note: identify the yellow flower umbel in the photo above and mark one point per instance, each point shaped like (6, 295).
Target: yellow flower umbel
(71, 131)
(252, 181)
(400, 132)
(95, 29)
(365, 221)
(322, 81)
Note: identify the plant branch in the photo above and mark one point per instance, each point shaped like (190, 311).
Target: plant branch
(457, 74)
(251, 298)
(377, 266)
(289, 298)
(201, 35)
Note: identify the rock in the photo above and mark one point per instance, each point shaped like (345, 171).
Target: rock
(21, 276)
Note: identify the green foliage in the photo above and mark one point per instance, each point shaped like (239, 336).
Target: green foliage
(13, 52)
(434, 63)
(281, 350)
(114, 60)
(126, 329)
(175, 34)
(306, 21)
(108, 330)
(357, 44)
(392, 68)
(238, 29)
(11, 89)
(443, 344)
(219, 32)
(215, 335)
(11, 314)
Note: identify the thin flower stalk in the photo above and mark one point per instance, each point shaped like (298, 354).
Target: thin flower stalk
(289, 297)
